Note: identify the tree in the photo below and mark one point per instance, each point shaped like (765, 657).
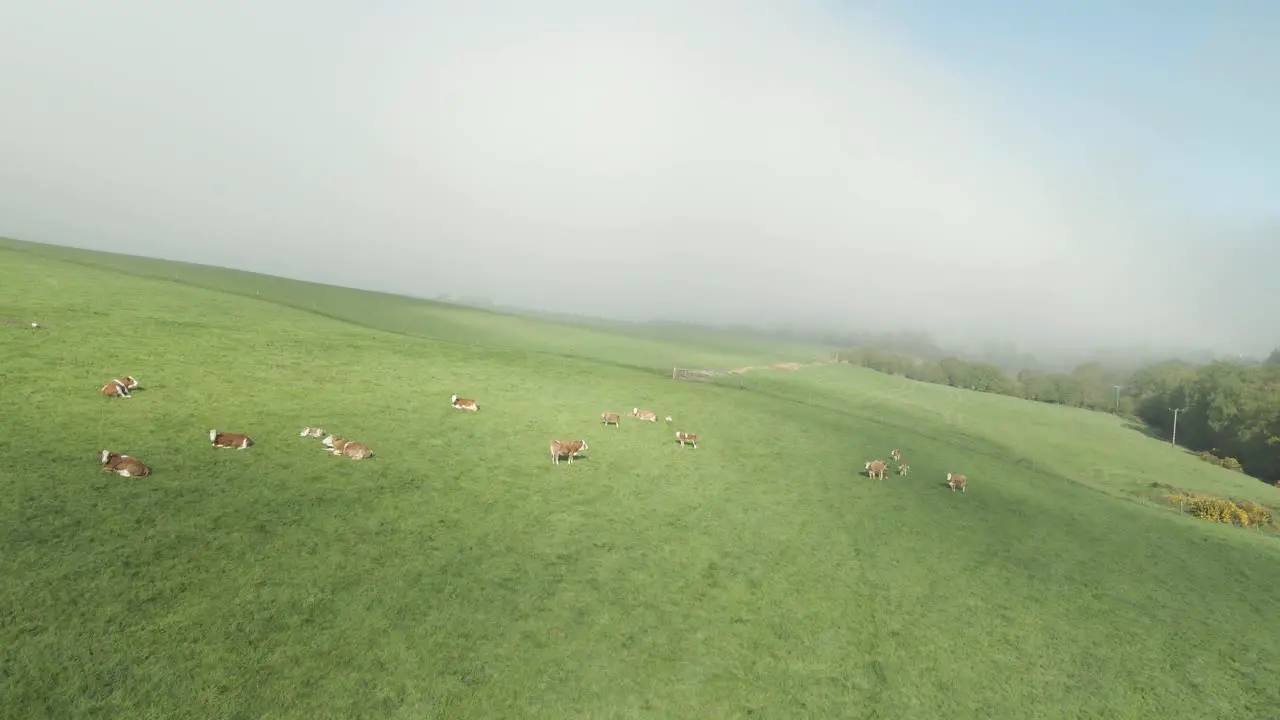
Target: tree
(1091, 385)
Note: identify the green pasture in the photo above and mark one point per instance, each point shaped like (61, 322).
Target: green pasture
(460, 574)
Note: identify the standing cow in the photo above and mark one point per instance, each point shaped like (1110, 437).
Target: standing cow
(561, 448)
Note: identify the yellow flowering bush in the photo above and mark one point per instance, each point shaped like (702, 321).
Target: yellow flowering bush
(1258, 514)
(1219, 510)
(1245, 513)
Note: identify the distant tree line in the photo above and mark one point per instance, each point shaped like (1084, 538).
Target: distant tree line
(1232, 410)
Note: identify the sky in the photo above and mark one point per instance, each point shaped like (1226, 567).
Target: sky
(1062, 175)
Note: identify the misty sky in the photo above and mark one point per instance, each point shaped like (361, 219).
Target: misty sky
(1053, 173)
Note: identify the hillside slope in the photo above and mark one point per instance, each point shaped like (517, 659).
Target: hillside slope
(461, 574)
(635, 346)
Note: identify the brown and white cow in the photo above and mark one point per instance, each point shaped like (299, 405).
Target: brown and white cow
(904, 469)
(956, 481)
(609, 418)
(357, 450)
(689, 438)
(561, 448)
(875, 469)
(229, 440)
(649, 415)
(464, 403)
(350, 448)
(123, 465)
(311, 432)
(115, 388)
(895, 455)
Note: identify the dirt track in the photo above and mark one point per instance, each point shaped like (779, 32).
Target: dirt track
(792, 366)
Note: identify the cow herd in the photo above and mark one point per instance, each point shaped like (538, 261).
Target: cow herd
(128, 466)
(875, 469)
(571, 448)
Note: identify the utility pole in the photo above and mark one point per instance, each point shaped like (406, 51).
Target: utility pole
(1174, 440)
(1117, 387)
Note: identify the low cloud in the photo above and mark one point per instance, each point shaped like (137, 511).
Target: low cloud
(726, 162)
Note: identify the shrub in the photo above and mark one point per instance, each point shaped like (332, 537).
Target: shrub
(1229, 463)
(1208, 457)
(1219, 510)
(1258, 515)
(1245, 513)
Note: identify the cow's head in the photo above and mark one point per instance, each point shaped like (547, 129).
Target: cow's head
(213, 435)
(105, 455)
(327, 441)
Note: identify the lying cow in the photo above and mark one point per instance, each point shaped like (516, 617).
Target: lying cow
(610, 418)
(464, 403)
(123, 465)
(115, 388)
(561, 448)
(350, 448)
(685, 437)
(229, 440)
(875, 469)
(311, 432)
(649, 415)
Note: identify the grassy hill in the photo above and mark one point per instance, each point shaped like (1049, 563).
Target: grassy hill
(636, 346)
(462, 575)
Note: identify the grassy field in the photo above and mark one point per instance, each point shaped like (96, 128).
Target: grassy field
(633, 346)
(461, 575)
